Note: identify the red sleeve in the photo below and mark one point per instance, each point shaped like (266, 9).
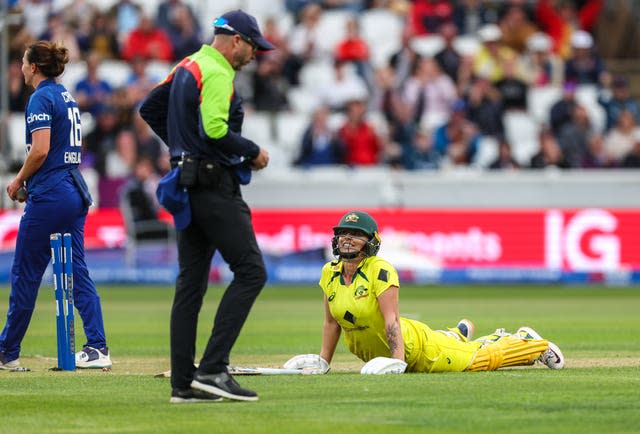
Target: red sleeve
(551, 23)
(416, 13)
(588, 15)
(547, 16)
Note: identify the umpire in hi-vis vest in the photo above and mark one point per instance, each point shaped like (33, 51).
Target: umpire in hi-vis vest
(198, 114)
(57, 201)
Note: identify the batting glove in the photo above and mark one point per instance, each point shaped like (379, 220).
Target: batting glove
(309, 363)
(383, 365)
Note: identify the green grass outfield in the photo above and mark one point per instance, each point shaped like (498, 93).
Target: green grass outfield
(599, 391)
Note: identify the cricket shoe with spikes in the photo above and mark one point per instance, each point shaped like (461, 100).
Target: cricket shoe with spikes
(93, 358)
(553, 357)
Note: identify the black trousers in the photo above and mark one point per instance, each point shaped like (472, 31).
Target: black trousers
(220, 220)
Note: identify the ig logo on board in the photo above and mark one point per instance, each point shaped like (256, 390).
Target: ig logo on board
(585, 242)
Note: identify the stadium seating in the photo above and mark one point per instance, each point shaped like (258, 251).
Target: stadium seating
(378, 122)
(17, 150)
(332, 27)
(302, 99)
(262, 9)
(540, 100)
(144, 233)
(336, 120)
(522, 130)
(88, 123)
(257, 126)
(487, 152)
(382, 29)
(427, 45)
(264, 129)
(115, 72)
(285, 23)
(158, 69)
(73, 73)
(316, 73)
(290, 129)
(587, 95)
(466, 45)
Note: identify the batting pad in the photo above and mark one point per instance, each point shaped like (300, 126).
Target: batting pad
(508, 351)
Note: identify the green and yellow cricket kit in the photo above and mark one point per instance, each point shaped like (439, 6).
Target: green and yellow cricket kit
(355, 307)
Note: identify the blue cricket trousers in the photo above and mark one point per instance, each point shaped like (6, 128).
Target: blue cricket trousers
(61, 209)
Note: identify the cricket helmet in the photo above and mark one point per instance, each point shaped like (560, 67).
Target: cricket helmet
(362, 222)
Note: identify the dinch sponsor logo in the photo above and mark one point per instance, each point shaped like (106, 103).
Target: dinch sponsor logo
(33, 117)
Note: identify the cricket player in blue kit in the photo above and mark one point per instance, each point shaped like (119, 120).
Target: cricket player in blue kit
(57, 200)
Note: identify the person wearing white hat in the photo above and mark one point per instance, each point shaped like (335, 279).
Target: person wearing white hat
(581, 40)
(542, 66)
(584, 66)
(493, 54)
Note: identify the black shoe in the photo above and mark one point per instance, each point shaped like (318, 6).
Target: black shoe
(181, 396)
(224, 385)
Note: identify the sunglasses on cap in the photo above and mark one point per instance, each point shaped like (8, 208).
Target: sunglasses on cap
(222, 23)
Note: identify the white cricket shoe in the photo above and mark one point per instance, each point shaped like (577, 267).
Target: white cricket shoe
(91, 357)
(11, 365)
(553, 357)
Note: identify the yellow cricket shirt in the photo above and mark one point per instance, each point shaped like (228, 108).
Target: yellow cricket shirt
(355, 307)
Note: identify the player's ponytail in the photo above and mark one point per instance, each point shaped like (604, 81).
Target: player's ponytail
(49, 57)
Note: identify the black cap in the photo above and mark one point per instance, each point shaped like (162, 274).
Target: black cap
(244, 25)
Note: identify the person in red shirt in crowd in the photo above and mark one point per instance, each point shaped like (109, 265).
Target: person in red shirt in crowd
(426, 16)
(560, 18)
(353, 48)
(148, 41)
(361, 143)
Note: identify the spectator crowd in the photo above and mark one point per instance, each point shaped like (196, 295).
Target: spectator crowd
(446, 87)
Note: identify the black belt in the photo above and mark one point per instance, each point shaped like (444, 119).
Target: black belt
(202, 173)
(175, 161)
